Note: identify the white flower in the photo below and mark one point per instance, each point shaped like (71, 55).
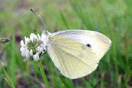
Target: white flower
(33, 36)
(31, 52)
(38, 36)
(43, 37)
(27, 54)
(36, 56)
(44, 41)
(39, 49)
(23, 48)
(22, 43)
(33, 46)
(43, 46)
(27, 40)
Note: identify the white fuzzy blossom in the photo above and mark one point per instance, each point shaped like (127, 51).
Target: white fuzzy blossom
(33, 47)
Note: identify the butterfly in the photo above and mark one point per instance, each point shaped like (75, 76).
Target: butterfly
(76, 53)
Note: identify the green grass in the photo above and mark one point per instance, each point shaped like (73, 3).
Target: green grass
(112, 18)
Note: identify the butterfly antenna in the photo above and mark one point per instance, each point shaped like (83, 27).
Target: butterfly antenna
(39, 18)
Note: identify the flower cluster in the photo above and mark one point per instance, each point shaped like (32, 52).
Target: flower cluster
(33, 47)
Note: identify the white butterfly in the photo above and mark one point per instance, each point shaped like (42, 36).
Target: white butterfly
(76, 53)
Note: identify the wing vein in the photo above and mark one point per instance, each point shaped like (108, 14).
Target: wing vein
(53, 43)
(70, 65)
(65, 65)
(57, 54)
(72, 55)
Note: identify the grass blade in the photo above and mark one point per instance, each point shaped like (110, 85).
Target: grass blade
(81, 14)
(9, 81)
(43, 75)
(64, 20)
(13, 61)
(67, 85)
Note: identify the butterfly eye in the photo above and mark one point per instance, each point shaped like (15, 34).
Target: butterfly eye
(88, 45)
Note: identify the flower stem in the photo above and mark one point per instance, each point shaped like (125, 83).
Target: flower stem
(43, 74)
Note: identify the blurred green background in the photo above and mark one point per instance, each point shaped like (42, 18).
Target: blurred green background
(113, 18)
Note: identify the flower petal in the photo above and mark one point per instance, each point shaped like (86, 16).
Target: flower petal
(27, 40)
(31, 52)
(33, 36)
(38, 36)
(27, 54)
(22, 43)
(43, 37)
(43, 46)
(23, 53)
(36, 56)
(39, 49)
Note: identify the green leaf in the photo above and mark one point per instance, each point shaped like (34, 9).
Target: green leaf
(67, 85)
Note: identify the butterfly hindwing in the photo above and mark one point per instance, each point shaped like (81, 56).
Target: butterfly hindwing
(72, 58)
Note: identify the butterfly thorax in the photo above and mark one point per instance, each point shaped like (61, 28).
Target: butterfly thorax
(45, 38)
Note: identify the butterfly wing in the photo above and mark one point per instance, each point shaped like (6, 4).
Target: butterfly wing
(72, 58)
(98, 42)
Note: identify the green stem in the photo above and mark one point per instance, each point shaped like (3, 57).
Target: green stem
(43, 74)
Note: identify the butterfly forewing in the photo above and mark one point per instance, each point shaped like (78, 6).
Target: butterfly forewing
(98, 42)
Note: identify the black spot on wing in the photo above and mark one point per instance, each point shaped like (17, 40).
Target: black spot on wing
(88, 45)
